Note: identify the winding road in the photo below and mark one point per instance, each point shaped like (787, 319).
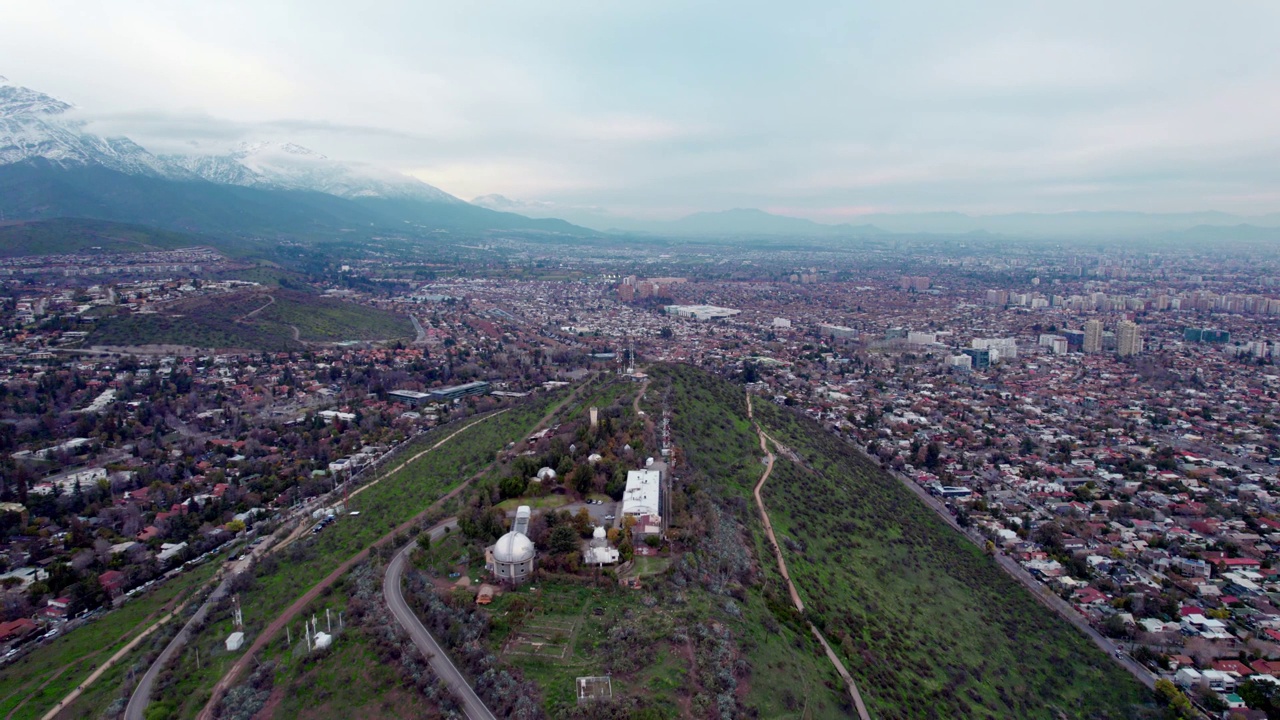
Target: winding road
(141, 697)
(436, 657)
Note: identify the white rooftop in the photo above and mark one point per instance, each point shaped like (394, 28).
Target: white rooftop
(641, 495)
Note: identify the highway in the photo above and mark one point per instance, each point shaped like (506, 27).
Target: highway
(439, 660)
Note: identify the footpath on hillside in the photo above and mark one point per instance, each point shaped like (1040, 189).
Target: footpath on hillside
(782, 566)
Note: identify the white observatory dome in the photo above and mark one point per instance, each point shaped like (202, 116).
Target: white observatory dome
(513, 547)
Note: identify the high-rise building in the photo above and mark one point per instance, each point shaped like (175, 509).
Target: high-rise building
(1075, 340)
(980, 357)
(1128, 339)
(1093, 336)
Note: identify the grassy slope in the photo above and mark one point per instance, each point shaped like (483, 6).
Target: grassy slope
(215, 322)
(329, 319)
(35, 678)
(789, 676)
(72, 235)
(928, 626)
(381, 507)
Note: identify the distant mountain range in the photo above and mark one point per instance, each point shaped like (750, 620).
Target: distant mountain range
(51, 166)
(748, 221)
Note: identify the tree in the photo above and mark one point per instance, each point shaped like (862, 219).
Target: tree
(1049, 536)
(88, 594)
(564, 539)
(512, 486)
(582, 522)
(1261, 695)
(1177, 706)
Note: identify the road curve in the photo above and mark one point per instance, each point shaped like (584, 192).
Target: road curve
(436, 656)
(141, 697)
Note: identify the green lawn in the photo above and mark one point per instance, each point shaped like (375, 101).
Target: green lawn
(546, 502)
(229, 320)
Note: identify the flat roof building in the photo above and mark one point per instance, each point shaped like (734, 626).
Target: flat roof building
(702, 312)
(643, 493)
(454, 392)
(412, 397)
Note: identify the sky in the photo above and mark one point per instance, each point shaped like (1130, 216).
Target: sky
(825, 110)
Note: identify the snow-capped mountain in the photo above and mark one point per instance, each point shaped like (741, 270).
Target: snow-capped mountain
(35, 126)
(290, 166)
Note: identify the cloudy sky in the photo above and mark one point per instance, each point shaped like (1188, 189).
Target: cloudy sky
(654, 109)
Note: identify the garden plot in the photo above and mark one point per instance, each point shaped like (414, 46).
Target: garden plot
(544, 637)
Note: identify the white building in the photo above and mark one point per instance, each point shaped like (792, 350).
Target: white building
(598, 551)
(702, 312)
(643, 494)
(511, 558)
(1000, 348)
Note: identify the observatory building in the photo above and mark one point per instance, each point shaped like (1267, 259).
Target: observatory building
(511, 558)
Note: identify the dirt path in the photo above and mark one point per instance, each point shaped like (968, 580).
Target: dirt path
(782, 566)
(71, 697)
(635, 404)
(413, 459)
(111, 661)
(271, 300)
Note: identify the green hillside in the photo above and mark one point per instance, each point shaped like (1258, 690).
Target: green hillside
(928, 626)
(278, 319)
(73, 235)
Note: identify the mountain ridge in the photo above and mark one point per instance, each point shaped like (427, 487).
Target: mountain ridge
(51, 166)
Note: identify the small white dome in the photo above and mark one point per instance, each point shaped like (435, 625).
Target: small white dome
(513, 547)
(546, 473)
(594, 458)
(599, 533)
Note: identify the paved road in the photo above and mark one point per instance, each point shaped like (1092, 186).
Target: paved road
(1036, 587)
(141, 697)
(436, 656)
(421, 338)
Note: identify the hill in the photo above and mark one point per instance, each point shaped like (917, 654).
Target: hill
(925, 622)
(279, 319)
(73, 235)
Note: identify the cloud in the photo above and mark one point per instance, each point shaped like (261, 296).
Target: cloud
(652, 108)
